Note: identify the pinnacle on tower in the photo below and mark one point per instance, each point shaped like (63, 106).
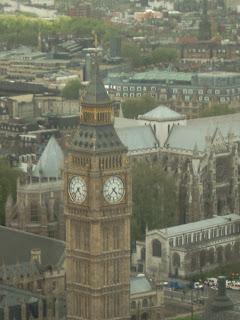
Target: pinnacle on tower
(96, 93)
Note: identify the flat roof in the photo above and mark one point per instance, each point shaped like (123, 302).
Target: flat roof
(158, 75)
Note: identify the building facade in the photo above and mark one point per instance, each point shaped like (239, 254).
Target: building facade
(193, 248)
(203, 156)
(97, 212)
(39, 204)
(32, 276)
(187, 93)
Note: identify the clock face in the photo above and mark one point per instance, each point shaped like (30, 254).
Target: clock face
(77, 189)
(113, 189)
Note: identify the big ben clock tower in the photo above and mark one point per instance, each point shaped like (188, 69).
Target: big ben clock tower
(97, 210)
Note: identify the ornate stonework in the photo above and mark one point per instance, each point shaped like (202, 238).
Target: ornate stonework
(97, 210)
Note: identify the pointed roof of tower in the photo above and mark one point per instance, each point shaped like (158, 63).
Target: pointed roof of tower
(51, 161)
(96, 93)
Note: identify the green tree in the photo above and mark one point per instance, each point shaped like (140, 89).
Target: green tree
(138, 59)
(154, 199)
(164, 55)
(216, 110)
(133, 54)
(133, 107)
(23, 30)
(8, 183)
(72, 89)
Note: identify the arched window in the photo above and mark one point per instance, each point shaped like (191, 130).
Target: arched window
(176, 259)
(133, 305)
(143, 254)
(145, 303)
(156, 248)
(202, 258)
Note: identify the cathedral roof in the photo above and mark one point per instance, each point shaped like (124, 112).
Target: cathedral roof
(199, 225)
(96, 93)
(51, 161)
(138, 138)
(20, 244)
(97, 138)
(162, 113)
(196, 131)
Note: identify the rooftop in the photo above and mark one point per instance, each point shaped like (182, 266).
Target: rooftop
(23, 98)
(199, 225)
(20, 244)
(196, 131)
(161, 113)
(50, 164)
(139, 284)
(138, 137)
(159, 75)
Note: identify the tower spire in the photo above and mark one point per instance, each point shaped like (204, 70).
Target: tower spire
(96, 103)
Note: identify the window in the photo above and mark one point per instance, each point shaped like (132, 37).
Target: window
(156, 248)
(145, 303)
(118, 88)
(34, 212)
(222, 99)
(139, 89)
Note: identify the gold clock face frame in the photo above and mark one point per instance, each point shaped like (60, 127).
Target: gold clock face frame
(113, 190)
(77, 189)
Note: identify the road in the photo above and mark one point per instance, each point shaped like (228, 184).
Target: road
(198, 296)
(42, 13)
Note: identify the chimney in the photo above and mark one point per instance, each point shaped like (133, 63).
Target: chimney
(36, 255)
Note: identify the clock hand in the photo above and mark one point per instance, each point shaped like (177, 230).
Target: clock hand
(113, 190)
(78, 190)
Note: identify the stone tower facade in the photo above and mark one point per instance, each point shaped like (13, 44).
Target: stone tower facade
(97, 211)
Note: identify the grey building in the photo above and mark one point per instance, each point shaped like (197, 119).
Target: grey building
(187, 93)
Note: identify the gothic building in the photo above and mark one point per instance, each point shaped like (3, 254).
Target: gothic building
(204, 158)
(39, 205)
(32, 276)
(97, 211)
